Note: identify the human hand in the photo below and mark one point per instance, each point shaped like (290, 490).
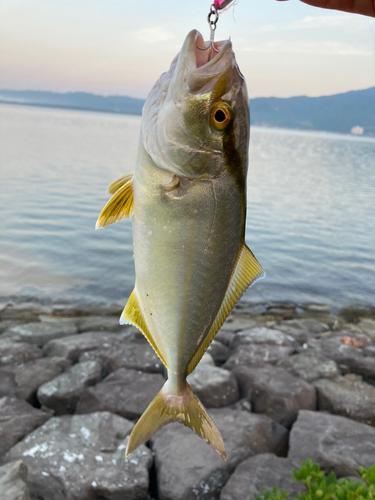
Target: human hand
(365, 7)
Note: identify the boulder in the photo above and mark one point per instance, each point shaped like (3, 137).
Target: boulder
(237, 322)
(31, 375)
(309, 367)
(355, 313)
(7, 382)
(40, 333)
(275, 392)
(310, 325)
(316, 308)
(255, 354)
(99, 324)
(348, 396)
(62, 393)
(27, 311)
(13, 478)
(364, 366)
(82, 457)
(73, 346)
(125, 392)
(15, 353)
(336, 443)
(17, 418)
(214, 386)
(258, 473)
(134, 355)
(261, 335)
(219, 352)
(188, 468)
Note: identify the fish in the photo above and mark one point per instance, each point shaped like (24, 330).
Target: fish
(187, 200)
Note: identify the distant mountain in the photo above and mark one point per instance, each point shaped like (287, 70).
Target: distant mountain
(74, 100)
(336, 113)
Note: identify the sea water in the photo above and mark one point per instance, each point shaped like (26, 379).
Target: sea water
(310, 213)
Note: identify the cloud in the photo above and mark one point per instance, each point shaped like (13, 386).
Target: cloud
(152, 35)
(321, 48)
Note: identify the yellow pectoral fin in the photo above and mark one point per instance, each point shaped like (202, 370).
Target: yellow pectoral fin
(119, 183)
(132, 315)
(247, 271)
(119, 206)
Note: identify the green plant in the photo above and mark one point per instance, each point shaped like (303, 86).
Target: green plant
(320, 486)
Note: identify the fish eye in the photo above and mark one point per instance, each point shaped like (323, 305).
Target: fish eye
(221, 115)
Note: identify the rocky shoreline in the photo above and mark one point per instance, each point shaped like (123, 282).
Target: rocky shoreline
(283, 382)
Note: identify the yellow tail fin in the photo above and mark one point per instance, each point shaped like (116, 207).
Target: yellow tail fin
(186, 409)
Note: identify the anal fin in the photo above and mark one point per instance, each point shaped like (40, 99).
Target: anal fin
(132, 315)
(120, 205)
(247, 271)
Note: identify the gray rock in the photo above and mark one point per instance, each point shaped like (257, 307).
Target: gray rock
(310, 325)
(254, 354)
(125, 392)
(260, 335)
(250, 308)
(7, 381)
(187, 468)
(225, 337)
(364, 366)
(14, 353)
(73, 346)
(214, 386)
(316, 308)
(219, 352)
(356, 312)
(74, 310)
(31, 375)
(347, 396)
(17, 418)
(369, 351)
(62, 393)
(336, 443)
(134, 355)
(9, 323)
(275, 392)
(207, 359)
(237, 322)
(81, 457)
(28, 311)
(332, 347)
(99, 324)
(309, 367)
(259, 473)
(13, 478)
(40, 333)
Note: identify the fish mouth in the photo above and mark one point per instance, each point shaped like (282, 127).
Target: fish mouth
(206, 62)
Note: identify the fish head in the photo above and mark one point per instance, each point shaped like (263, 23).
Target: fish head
(196, 119)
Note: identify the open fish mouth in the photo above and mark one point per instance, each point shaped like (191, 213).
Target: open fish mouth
(200, 63)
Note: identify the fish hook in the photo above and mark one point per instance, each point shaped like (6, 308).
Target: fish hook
(212, 19)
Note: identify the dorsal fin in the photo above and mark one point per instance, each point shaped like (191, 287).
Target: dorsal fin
(132, 315)
(120, 205)
(119, 183)
(246, 272)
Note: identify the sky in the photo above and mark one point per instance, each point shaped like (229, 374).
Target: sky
(121, 47)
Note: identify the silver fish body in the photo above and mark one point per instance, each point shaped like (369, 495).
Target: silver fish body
(188, 203)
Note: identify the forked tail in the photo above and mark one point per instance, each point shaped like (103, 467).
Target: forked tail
(186, 409)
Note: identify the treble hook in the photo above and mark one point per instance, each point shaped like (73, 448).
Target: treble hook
(212, 19)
